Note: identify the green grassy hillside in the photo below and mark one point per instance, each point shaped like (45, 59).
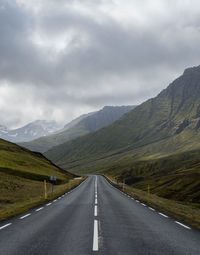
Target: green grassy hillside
(174, 177)
(22, 174)
(18, 161)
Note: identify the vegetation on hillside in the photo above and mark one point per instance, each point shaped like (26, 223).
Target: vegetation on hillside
(22, 175)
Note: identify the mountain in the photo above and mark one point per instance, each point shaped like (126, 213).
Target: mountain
(77, 120)
(79, 127)
(171, 120)
(152, 143)
(30, 131)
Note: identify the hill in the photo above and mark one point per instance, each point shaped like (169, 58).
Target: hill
(157, 129)
(18, 161)
(22, 174)
(81, 126)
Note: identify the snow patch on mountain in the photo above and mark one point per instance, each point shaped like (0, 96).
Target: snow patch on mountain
(30, 131)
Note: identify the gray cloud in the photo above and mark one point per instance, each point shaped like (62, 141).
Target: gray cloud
(64, 58)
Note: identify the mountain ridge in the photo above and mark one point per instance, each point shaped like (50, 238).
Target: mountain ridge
(89, 123)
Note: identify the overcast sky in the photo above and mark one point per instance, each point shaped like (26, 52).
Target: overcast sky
(63, 58)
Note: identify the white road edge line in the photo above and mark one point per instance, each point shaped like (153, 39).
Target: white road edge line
(143, 204)
(95, 237)
(39, 209)
(151, 209)
(163, 215)
(95, 210)
(5, 226)
(25, 216)
(182, 225)
(48, 204)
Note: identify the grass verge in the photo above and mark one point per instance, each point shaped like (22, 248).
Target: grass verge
(33, 197)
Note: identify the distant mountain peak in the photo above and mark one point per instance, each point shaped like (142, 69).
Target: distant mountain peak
(30, 131)
(191, 70)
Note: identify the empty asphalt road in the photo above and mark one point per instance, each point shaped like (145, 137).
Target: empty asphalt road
(95, 218)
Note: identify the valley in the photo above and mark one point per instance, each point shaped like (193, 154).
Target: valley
(158, 141)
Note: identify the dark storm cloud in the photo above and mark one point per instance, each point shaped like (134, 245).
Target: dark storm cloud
(76, 55)
(111, 48)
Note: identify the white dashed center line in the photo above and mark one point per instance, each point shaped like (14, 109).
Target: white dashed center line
(95, 237)
(95, 210)
(95, 234)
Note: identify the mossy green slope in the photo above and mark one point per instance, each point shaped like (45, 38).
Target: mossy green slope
(17, 161)
(174, 177)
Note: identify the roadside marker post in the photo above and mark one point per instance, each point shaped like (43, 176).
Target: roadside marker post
(45, 189)
(123, 184)
(148, 193)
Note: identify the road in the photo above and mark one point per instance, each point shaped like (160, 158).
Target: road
(96, 218)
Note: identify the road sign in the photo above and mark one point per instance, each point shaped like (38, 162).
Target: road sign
(53, 181)
(53, 178)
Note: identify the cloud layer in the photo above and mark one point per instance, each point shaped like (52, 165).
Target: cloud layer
(59, 59)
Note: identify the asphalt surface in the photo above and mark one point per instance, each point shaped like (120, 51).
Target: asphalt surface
(96, 218)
